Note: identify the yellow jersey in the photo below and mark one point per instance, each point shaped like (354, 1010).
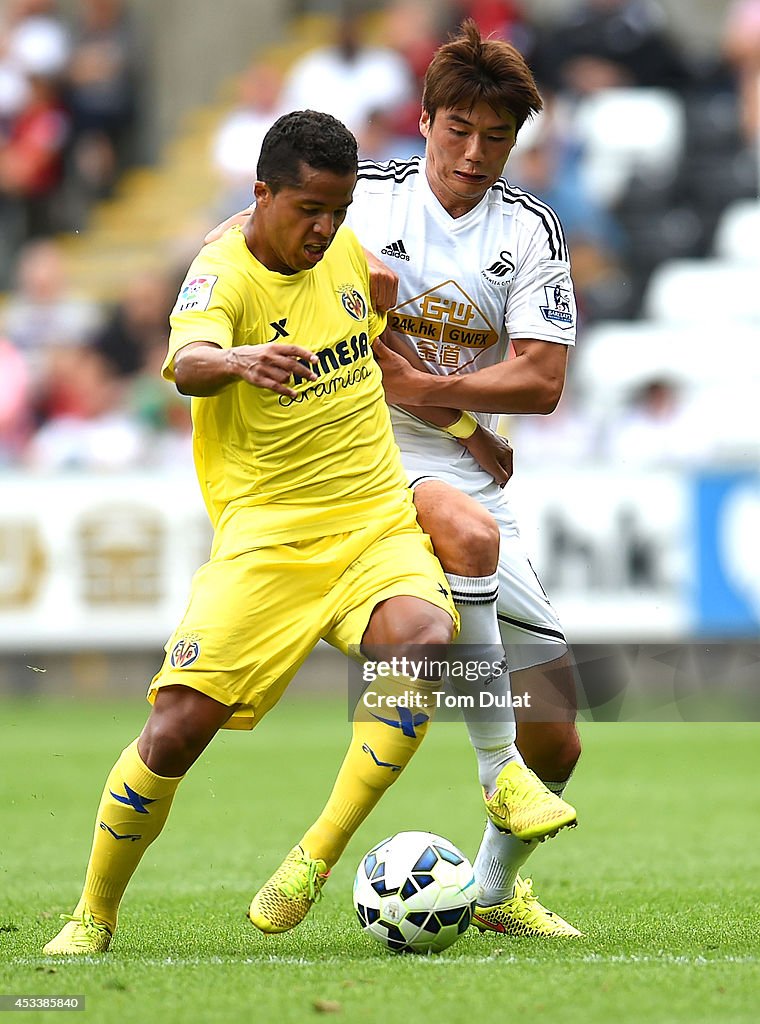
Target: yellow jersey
(285, 468)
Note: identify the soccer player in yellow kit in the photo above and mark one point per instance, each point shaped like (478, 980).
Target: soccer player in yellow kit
(315, 534)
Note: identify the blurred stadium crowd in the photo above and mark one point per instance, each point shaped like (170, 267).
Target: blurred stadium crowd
(648, 153)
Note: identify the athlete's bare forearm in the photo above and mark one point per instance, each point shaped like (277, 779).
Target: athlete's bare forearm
(506, 388)
(202, 369)
(531, 382)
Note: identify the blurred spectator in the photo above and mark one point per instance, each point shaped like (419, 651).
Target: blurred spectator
(14, 94)
(138, 325)
(132, 346)
(34, 48)
(545, 164)
(163, 414)
(38, 40)
(569, 436)
(412, 29)
(659, 427)
(14, 88)
(31, 159)
(741, 47)
(15, 403)
(381, 140)
(350, 79)
(87, 426)
(101, 89)
(238, 140)
(504, 19)
(603, 44)
(41, 314)
(411, 26)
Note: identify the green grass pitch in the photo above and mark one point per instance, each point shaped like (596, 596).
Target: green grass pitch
(662, 876)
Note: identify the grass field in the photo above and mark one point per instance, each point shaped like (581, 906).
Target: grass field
(662, 876)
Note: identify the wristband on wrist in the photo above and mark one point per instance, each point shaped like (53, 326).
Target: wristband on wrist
(464, 426)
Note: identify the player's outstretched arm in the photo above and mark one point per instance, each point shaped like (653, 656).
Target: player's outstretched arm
(203, 369)
(532, 382)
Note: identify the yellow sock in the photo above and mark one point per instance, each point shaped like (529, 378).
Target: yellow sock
(133, 809)
(384, 739)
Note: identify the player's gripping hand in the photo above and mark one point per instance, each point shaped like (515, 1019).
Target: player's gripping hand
(237, 218)
(492, 452)
(383, 284)
(403, 384)
(272, 366)
(203, 369)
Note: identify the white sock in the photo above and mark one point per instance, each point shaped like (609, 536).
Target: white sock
(491, 762)
(498, 863)
(558, 787)
(492, 732)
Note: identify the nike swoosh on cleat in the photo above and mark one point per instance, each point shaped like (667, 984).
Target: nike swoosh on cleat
(487, 924)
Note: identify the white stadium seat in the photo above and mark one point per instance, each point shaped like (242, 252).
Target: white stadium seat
(711, 294)
(737, 236)
(616, 357)
(629, 131)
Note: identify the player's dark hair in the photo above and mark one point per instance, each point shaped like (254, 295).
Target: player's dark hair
(469, 70)
(305, 137)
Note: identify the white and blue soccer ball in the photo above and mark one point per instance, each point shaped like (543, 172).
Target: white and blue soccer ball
(415, 893)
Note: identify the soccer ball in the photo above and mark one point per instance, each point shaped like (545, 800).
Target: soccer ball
(415, 893)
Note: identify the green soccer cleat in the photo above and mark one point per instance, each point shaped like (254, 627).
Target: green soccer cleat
(521, 804)
(285, 900)
(81, 935)
(523, 915)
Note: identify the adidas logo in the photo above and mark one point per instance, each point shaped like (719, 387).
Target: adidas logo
(396, 249)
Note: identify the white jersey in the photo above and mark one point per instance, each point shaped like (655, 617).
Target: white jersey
(469, 284)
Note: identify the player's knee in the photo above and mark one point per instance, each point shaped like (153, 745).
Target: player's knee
(170, 743)
(473, 548)
(165, 748)
(436, 629)
(481, 542)
(421, 630)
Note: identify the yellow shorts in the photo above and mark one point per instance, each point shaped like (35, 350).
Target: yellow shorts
(255, 615)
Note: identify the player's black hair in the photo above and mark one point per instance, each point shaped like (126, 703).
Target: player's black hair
(305, 137)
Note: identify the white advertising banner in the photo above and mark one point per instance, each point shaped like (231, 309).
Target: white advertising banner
(106, 562)
(89, 561)
(613, 550)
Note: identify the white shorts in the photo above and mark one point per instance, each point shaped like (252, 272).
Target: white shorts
(530, 629)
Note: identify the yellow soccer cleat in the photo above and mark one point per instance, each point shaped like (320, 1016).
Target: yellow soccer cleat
(523, 915)
(288, 896)
(81, 935)
(521, 804)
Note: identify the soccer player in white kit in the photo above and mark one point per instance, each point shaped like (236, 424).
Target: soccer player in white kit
(482, 267)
